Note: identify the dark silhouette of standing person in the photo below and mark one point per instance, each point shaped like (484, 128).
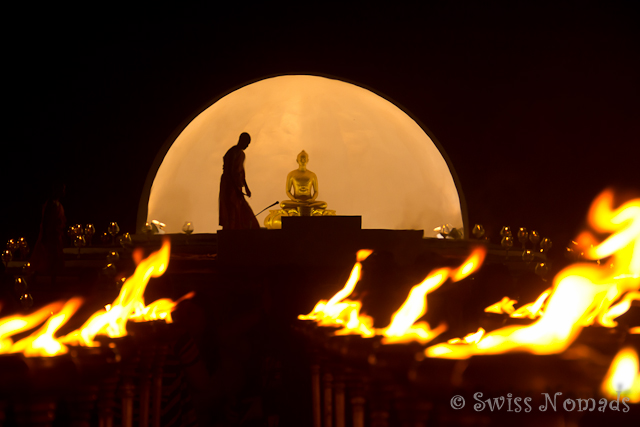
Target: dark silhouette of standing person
(48, 256)
(235, 212)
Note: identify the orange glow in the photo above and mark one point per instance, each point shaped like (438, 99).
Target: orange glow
(16, 324)
(403, 326)
(469, 339)
(354, 277)
(113, 322)
(582, 293)
(624, 222)
(324, 116)
(532, 310)
(504, 306)
(158, 310)
(623, 377)
(41, 342)
(137, 255)
(635, 330)
(109, 321)
(470, 265)
(552, 333)
(357, 324)
(619, 309)
(338, 311)
(623, 248)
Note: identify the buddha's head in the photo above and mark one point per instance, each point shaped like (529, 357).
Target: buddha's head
(303, 158)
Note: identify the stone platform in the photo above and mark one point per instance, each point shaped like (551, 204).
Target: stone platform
(314, 241)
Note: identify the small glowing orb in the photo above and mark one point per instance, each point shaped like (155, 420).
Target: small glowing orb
(370, 157)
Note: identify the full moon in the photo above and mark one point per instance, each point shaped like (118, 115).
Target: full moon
(370, 157)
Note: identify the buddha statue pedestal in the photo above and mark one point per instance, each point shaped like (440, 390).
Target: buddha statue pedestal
(302, 189)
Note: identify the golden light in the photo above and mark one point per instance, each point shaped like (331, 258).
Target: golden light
(404, 326)
(582, 293)
(12, 325)
(624, 222)
(357, 323)
(345, 314)
(623, 376)
(112, 321)
(532, 310)
(618, 309)
(350, 134)
(340, 311)
(469, 339)
(158, 310)
(504, 306)
(552, 333)
(623, 250)
(470, 265)
(42, 341)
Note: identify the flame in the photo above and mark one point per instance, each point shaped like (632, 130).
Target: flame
(403, 326)
(624, 222)
(471, 264)
(112, 322)
(41, 342)
(16, 324)
(582, 293)
(504, 306)
(619, 309)
(533, 310)
(339, 311)
(470, 338)
(623, 246)
(357, 324)
(623, 376)
(354, 277)
(552, 333)
(635, 330)
(158, 310)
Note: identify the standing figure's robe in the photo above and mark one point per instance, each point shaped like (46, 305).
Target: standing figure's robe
(235, 212)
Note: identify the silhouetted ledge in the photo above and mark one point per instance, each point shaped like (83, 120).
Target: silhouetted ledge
(328, 223)
(314, 241)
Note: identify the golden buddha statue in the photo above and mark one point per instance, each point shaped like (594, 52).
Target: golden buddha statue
(304, 184)
(302, 188)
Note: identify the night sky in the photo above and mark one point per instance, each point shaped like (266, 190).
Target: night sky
(537, 107)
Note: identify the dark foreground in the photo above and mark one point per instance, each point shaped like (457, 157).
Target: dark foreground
(250, 361)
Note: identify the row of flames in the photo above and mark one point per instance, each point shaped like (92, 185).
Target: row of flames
(582, 294)
(110, 321)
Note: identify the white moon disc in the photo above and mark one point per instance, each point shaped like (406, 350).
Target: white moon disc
(370, 157)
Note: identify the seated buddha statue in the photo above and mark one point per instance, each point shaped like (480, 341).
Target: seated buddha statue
(302, 189)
